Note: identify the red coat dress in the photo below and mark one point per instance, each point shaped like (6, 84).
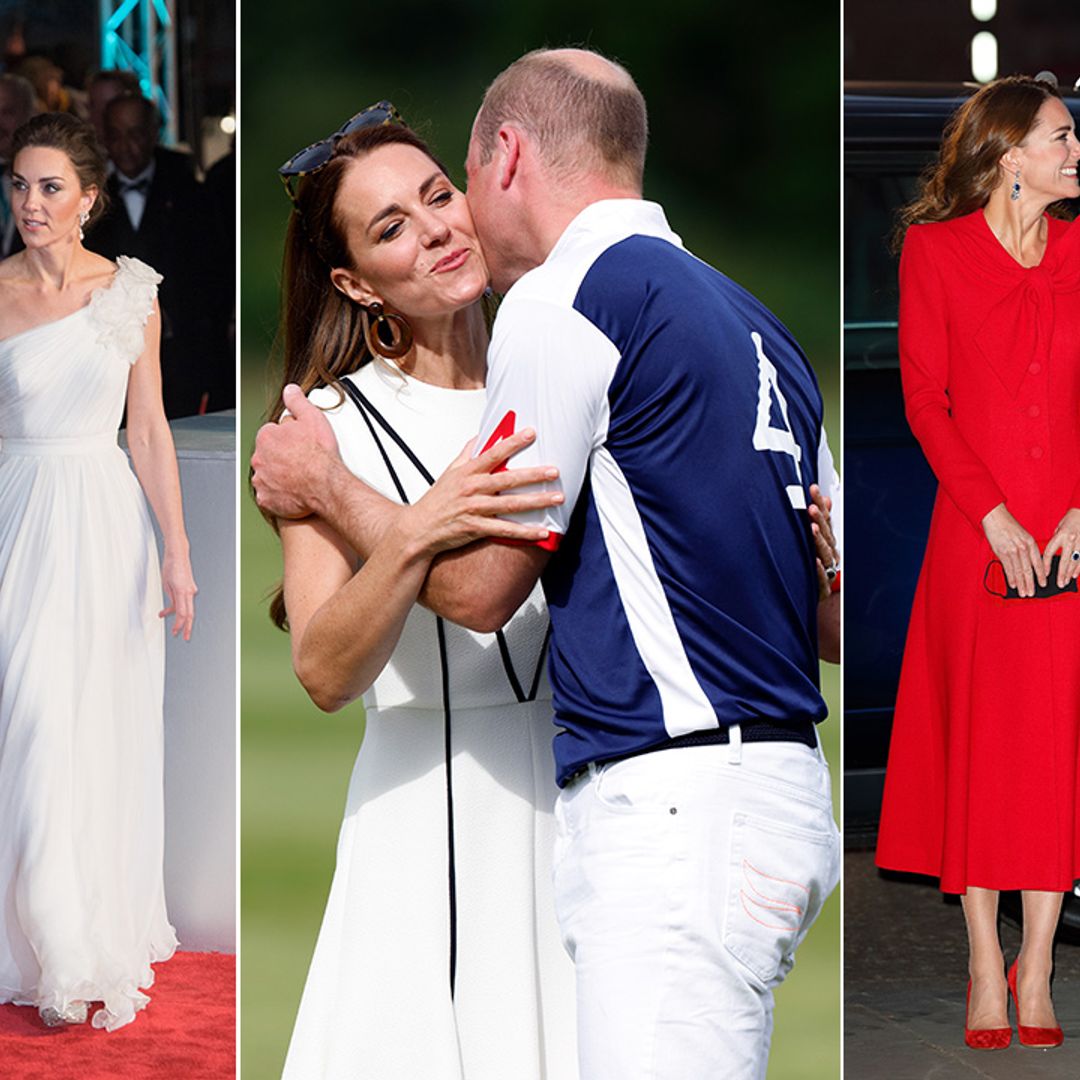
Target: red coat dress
(981, 787)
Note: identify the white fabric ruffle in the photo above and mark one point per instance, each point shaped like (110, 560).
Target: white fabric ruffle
(119, 311)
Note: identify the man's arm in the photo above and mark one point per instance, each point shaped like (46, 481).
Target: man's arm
(828, 623)
(297, 471)
(827, 519)
(482, 585)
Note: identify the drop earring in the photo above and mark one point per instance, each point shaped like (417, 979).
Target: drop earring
(387, 335)
(1015, 193)
(84, 217)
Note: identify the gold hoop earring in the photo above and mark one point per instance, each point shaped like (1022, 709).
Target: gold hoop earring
(386, 334)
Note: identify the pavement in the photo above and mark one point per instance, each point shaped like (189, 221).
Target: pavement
(905, 973)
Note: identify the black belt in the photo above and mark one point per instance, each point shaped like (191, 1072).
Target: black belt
(798, 731)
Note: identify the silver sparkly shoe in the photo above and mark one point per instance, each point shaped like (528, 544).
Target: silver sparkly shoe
(75, 1013)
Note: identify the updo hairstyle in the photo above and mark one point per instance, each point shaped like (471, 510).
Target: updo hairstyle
(76, 139)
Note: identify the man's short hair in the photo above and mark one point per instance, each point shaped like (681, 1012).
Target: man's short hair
(580, 123)
(23, 92)
(151, 118)
(128, 81)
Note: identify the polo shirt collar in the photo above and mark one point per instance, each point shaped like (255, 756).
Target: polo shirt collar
(613, 217)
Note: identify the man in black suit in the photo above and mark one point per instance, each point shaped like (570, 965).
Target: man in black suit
(101, 88)
(157, 213)
(16, 107)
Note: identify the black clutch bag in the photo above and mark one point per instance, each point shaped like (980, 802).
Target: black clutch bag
(1042, 592)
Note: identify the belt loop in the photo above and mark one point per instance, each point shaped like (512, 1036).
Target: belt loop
(734, 744)
(820, 747)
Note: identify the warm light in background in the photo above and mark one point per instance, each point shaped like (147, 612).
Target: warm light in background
(984, 56)
(984, 10)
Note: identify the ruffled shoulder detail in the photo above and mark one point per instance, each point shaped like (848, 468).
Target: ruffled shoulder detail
(119, 311)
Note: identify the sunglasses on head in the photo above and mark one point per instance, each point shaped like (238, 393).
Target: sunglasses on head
(312, 158)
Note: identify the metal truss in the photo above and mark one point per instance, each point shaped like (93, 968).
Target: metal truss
(140, 36)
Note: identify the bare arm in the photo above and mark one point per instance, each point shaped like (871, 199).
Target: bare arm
(344, 622)
(345, 618)
(298, 471)
(154, 459)
(828, 623)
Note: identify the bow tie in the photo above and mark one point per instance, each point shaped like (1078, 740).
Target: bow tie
(141, 186)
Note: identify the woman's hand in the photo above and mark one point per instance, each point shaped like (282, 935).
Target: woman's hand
(464, 503)
(1017, 550)
(1066, 539)
(178, 583)
(828, 554)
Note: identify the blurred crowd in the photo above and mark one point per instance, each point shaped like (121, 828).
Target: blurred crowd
(160, 208)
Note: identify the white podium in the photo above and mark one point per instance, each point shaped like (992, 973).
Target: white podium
(200, 698)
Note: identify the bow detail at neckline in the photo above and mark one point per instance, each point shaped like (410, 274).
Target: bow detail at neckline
(1020, 326)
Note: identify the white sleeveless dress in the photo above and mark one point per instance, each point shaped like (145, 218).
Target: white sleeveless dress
(81, 654)
(377, 1001)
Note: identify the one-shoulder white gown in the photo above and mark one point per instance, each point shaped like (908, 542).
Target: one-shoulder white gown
(82, 907)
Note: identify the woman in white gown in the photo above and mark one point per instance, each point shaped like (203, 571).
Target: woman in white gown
(438, 955)
(81, 638)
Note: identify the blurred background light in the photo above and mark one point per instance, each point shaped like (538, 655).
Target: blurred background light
(984, 56)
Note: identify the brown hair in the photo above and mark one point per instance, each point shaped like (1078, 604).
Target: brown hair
(76, 139)
(321, 331)
(567, 111)
(961, 181)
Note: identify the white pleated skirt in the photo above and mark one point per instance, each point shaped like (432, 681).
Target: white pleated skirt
(377, 1003)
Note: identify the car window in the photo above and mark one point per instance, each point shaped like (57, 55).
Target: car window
(870, 291)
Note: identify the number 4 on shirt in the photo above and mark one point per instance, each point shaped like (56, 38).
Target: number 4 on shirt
(767, 437)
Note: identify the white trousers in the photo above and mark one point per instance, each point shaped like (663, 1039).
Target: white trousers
(684, 881)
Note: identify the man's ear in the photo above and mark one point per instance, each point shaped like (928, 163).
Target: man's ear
(509, 151)
(355, 288)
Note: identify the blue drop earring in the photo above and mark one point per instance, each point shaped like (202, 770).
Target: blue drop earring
(1015, 193)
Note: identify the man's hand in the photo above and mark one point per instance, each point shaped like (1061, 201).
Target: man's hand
(293, 458)
(828, 555)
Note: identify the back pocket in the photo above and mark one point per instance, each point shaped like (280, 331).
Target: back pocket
(778, 878)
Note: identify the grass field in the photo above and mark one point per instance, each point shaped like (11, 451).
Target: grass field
(295, 768)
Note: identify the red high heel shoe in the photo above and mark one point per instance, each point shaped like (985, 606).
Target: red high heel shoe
(1032, 1036)
(985, 1038)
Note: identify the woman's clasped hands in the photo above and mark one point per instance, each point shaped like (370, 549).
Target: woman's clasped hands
(1023, 562)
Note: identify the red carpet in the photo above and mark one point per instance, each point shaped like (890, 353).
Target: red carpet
(188, 1031)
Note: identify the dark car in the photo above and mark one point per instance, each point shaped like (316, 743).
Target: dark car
(891, 134)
